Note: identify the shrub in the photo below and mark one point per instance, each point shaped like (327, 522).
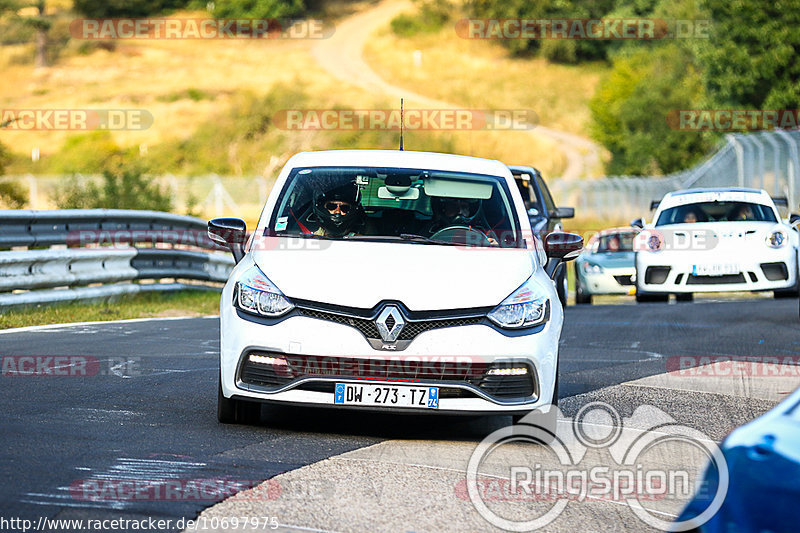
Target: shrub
(124, 188)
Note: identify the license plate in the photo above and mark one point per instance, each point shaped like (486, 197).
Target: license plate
(715, 270)
(386, 395)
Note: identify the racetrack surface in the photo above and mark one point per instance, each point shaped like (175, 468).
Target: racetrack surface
(149, 411)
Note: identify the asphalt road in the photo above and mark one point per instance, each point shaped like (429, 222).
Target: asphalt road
(145, 411)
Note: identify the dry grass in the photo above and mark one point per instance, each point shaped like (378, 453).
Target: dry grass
(145, 74)
(482, 74)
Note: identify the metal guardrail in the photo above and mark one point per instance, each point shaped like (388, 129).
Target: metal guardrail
(768, 160)
(98, 246)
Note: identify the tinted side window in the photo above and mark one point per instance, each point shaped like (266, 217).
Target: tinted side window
(545, 193)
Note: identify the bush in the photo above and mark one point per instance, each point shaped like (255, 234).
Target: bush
(125, 188)
(89, 153)
(125, 8)
(431, 17)
(13, 195)
(256, 9)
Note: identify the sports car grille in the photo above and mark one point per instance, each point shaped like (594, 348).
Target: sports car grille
(368, 328)
(282, 369)
(715, 280)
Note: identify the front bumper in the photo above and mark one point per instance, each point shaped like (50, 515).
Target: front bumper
(687, 272)
(610, 281)
(337, 348)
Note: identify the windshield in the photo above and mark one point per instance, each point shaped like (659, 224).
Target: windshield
(396, 204)
(616, 242)
(716, 212)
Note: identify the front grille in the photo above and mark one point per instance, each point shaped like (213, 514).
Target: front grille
(365, 326)
(288, 368)
(411, 329)
(623, 280)
(715, 280)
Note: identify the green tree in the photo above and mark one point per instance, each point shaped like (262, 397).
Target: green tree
(39, 22)
(125, 8)
(751, 58)
(258, 9)
(123, 188)
(630, 110)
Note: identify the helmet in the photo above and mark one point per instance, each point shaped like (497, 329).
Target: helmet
(338, 210)
(454, 211)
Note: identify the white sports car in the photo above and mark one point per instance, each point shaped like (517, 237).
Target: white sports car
(391, 280)
(710, 240)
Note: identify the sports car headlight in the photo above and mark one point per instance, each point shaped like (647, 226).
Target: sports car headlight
(256, 294)
(592, 269)
(527, 306)
(777, 239)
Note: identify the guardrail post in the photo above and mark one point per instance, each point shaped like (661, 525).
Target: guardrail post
(793, 166)
(737, 147)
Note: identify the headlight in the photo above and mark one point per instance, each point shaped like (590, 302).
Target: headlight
(527, 306)
(592, 269)
(777, 239)
(256, 294)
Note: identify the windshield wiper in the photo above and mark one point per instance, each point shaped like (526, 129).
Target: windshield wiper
(405, 237)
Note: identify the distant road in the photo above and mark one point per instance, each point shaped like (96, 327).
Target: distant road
(343, 56)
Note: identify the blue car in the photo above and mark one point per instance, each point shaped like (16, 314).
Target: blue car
(763, 459)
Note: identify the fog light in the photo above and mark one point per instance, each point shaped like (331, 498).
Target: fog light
(267, 360)
(522, 371)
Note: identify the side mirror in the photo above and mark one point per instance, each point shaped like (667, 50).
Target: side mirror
(564, 212)
(561, 247)
(794, 218)
(533, 212)
(638, 223)
(229, 232)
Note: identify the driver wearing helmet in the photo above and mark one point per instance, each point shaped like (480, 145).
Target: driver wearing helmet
(457, 212)
(338, 211)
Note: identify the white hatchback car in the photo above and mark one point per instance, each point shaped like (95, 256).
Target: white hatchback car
(710, 240)
(390, 280)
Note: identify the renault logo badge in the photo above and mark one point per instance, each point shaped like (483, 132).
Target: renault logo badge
(390, 323)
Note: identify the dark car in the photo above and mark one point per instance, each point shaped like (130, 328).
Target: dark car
(545, 217)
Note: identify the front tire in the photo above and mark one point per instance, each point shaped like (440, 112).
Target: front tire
(231, 411)
(642, 297)
(545, 418)
(580, 293)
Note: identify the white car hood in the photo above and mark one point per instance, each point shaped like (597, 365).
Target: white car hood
(422, 277)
